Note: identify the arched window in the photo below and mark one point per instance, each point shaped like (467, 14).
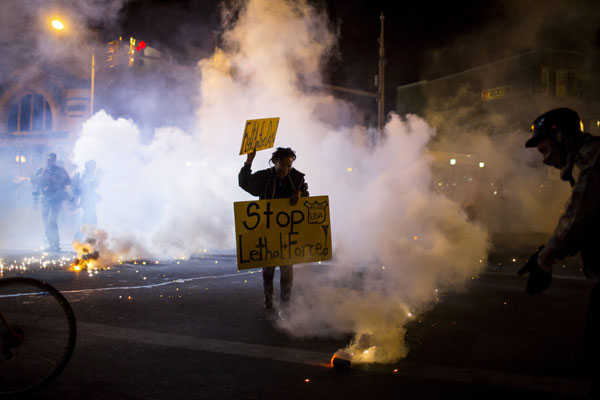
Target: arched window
(30, 114)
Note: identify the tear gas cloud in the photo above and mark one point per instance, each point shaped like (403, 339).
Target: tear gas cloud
(28, 45)
(173, 195)
(398, 243)
(514, 192)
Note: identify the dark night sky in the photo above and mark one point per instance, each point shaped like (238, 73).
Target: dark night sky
(410, 31)
(423, 39)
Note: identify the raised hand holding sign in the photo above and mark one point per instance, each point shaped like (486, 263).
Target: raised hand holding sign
(259, 134)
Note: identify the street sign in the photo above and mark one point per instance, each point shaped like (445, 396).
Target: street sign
(273, 232)
(495, 93)
(503, 92)
(259, 134)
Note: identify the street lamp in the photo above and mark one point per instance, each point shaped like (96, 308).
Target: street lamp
(59, 26)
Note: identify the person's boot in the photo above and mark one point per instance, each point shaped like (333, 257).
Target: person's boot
(283, 312)
(269, 303)
(267, 274)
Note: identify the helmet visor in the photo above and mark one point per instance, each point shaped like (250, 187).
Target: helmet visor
(536, 136)
(535, 140)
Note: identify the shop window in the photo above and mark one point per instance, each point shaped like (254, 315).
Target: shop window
(559, 83)
(548, 81)
(30, 114)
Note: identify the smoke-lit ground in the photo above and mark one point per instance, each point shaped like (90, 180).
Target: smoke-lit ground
(398, 240)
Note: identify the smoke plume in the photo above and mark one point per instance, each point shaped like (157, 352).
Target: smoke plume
(397, 243)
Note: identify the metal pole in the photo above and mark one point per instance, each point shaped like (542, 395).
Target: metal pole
(92, 89)
(381, 79)
(93, 77)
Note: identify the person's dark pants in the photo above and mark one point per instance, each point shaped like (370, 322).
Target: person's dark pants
(285, 283)
(50, 212)
(591, 336)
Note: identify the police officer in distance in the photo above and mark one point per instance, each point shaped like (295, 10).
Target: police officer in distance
(49, 184)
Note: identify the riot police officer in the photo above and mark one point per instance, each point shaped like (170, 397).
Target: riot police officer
(83, 186)
(558, 135)
(49, 184)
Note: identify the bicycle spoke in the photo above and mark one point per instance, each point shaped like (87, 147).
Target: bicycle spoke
(44, 324)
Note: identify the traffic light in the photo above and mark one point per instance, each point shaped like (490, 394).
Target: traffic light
(118, 55)
(113, 53)
(136, 52)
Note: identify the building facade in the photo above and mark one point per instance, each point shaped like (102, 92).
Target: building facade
(498, 100)
(41, 110)
(44, 104)
(518, 88)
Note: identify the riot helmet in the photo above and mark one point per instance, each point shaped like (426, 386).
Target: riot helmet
(559, 125)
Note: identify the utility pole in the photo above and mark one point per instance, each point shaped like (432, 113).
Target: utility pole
(381, 80)
(379, 95)
(93, 78)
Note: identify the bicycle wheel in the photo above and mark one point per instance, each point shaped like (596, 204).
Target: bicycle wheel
(42, 338)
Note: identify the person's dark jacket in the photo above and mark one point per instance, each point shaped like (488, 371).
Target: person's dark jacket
(579, 225)
(266, 185)
(49, 184)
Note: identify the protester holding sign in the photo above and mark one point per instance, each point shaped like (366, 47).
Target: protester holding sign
(278, 182)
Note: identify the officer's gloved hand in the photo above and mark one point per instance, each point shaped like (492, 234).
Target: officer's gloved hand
(538, 280)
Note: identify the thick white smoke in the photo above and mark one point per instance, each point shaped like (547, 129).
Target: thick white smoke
(173, 195)
(409, 242)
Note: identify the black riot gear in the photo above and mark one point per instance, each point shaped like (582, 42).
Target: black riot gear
(558, 136)
(559, 125)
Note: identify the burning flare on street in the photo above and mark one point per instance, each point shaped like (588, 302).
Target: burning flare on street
(87, 255)
(341, 359)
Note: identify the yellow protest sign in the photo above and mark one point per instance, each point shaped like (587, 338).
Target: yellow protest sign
(259, 134)
(273, 232)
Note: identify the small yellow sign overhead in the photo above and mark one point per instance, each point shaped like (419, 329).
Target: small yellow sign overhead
(273, 232)
(259, 134)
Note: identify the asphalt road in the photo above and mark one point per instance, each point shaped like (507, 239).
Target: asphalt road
(196, 329)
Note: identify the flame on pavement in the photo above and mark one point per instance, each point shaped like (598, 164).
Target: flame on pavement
(87, 255)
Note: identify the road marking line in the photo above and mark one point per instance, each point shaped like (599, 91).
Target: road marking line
(153, 285)
(408, 369)
(205, 344)
(150, 286)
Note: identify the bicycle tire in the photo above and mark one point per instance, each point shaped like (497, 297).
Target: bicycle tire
(48, 331)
